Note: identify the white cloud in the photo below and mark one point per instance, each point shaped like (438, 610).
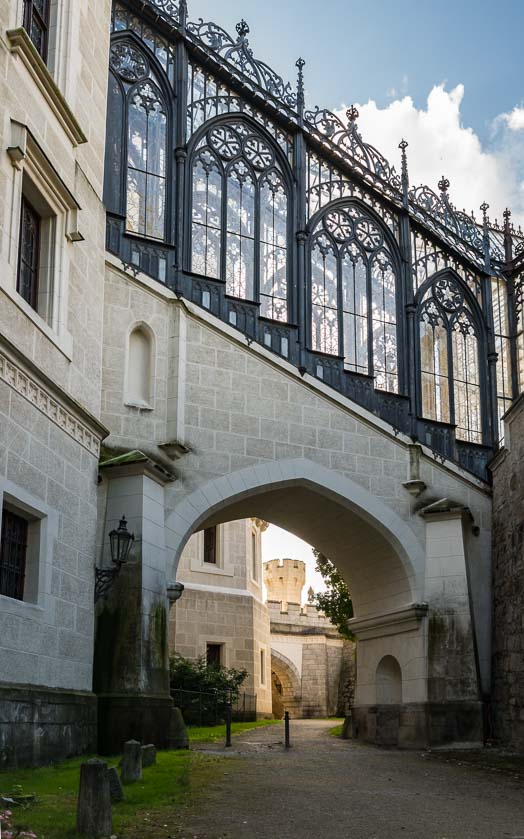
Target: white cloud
(515, 119)
(439, 144)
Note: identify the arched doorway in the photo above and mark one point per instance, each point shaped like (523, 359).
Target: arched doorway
(286, 687)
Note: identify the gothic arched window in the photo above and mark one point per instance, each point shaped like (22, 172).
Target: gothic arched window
(353, 295)
(449, 359)
(239, 230)
(145, 132)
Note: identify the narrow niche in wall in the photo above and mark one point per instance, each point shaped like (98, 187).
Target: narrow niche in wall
(389, 682)
(139, 373)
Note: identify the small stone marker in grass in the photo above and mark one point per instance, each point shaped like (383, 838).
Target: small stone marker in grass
(178, 736)
(94, 814)
(148, 756)
(132, 762)
(115, 785)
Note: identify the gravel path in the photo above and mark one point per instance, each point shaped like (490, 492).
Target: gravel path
(327, 788)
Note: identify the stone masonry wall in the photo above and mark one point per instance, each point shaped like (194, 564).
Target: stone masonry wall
(508, 584)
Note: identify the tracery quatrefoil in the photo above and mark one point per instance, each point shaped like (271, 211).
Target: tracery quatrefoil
(368, 234)
(339, 225)
(225, 142)
(258, 153)
(128, 62)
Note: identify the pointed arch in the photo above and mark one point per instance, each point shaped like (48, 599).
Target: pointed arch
(450, 347)
(363, 325)
(241, 224)
(138, 135)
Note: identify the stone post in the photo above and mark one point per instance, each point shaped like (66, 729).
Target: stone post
(132, 762)
(131, 665)
(94, 816)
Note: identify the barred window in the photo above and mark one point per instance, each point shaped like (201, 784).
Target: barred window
(13, 551)
(36, 23)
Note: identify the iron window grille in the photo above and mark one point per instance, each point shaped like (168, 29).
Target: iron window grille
(13, 552)
(36, 23)
(29, 254)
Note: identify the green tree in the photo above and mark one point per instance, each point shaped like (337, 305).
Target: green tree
(336, 601)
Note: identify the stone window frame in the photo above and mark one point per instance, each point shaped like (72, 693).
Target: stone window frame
(254, 555)
(35, 178)
(42, 534)
(222, 567)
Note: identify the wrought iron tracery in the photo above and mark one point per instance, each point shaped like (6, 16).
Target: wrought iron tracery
(450, 363)
(354, 295)
(239, 55)
(240, 223)
(367, 159)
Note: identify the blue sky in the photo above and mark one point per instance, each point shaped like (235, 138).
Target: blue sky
(361, 50)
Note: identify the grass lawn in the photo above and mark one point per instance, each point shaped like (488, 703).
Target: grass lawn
(210, 734)
(336, 731)
(149, 805)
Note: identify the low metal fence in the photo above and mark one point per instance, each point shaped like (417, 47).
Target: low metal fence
(201, 708)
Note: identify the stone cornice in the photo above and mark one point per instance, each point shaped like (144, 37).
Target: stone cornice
(34, 386)
(406, 619)
(22, 46)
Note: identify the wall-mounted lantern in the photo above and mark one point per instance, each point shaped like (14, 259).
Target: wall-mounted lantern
(120, 542)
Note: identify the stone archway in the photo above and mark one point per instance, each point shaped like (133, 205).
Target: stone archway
(386, 567)
(286, 686)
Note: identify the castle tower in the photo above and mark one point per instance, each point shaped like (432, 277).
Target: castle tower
(285, 579)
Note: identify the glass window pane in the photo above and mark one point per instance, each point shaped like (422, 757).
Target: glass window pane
(273, 248)
(324, 298)
(146, 158)
(207, 216)
(240, 259)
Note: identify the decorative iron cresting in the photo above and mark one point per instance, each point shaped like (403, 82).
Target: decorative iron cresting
(458, 229)
(328, 126)
(240, 56)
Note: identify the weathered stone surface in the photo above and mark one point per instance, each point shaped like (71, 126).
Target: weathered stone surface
(94, 813)
(39, 725)
(178, 736)
(508, 584)
(115, 785)
(148, 756)
(132, 762)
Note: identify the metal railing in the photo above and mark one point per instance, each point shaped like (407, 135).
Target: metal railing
(210, 708)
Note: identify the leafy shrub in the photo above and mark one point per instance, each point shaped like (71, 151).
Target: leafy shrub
(203, 691)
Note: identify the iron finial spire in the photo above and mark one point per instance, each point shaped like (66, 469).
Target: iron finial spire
(508, 239)
(243, 30)
(443, 185)
(183, 13)
(405, 177)
(300, 64)
(352, 114)
(485, 235)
